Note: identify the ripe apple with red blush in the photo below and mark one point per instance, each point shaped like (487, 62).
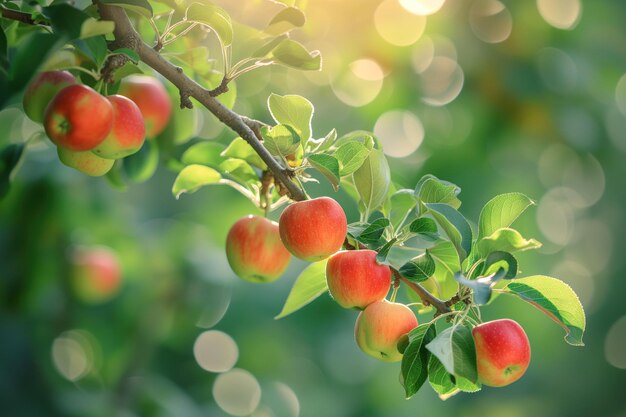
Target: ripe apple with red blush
(85, 161)
(313, 230)
(42, 89)
(151, 98)
(96, 275)
(380, 327)
(127, 133)
(355, 279)
(502, 352)
(78, 118)
(254, 250)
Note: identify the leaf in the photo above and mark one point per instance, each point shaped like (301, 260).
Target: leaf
(481, 286)
(418, 269)
(309, 285)
(328, 166)
(556, 299)
(454, 225)
(369, 233)
(241, 149)
(66, 19)
(193, 177)
(351, 156)
(286, 20)
(506, 240)
(132, 55)
(268, 47)
(440, 380)
(454, 347)
(414, 367)
(324, 143)
(92, 27)
(204, 153)
(141, 165)
(95, 48)
(293, 54)
(397, 256)
(445, 253)
(10, 157)
(213, 16)
(372, 180)
(381, 256)
(280, 140)
(423, 226)
(430, 189)
(402, 204)
(295, 111)
(239, 169)
(138, 6)
(361, 136)
(495, 259)
(501, 211)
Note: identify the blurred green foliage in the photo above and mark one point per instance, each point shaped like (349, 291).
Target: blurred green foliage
(540, 111)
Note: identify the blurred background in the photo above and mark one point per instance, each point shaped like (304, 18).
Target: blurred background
(495, 96)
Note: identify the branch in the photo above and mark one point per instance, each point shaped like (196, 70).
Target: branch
(126, 36)
(22, 17)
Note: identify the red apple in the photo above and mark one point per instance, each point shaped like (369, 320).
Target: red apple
(380, 327)
(85, 161)
(355, 279)
(314, 229)
(128, 132)
(255, 251)
(78, 118)
(96, 274)
(502, 352)
(151, 98)
(42, 89)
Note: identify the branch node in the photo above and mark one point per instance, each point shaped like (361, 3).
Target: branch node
(220, 89)
(185, 101)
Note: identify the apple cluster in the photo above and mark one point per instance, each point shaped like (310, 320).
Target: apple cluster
(259, 250)
(90, 130)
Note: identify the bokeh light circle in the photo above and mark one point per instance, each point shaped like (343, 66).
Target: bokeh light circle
(400, 133)
(396, 26)
(237, 392)
(615, 344)
(72, 355)
(491, 21)
(360, 83)
(422, 7)
(562, 14)
(215, 351)
(442, 81)
(620, 94)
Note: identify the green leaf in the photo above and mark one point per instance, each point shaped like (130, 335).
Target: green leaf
(142, 7)
(95, 48)
(454, 225)
(351, 156)
(239, 169)
(295, 111)
(361, 136)
(213, 16)
(10, 157)
(372, 180)
(280, 140)
(481, 286)
(501, 211)
(402, 204)
(132, 55)
(268, 47)
(328, 166)
(241, 149)
(381, 256)
(556, 299)
(66, 19)
(369, 233)
(204, 153)
(418, 269)
(454, 347)
(506, 240)
(423, 226)
(309, 285)
(193, 177)
(140, 166)
(293, 54)
(440, 380)
(397, 256)
(286, 20)
(496, 260)
(430, 189)
(445, 253)
(92, 27)
(414, 367)
(326, 142)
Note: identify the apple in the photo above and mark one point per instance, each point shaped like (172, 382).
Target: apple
(42, 89)
(85, 161)
(95, 274)
(314, 229)
(502, 352)
(255, 251)
(78, 118)
(151, 98)
(380, 327)
(128, 131)
(355, 279)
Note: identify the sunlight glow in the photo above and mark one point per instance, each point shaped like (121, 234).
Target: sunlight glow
(615, 344)
(396, 26)
(422, 7)
(360, 84)
(400, 133)
(562, 14)
(237, 392)
(215, 351)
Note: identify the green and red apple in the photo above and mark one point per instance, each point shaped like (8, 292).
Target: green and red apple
(502, 352)
(85, 161)
(380, 327)
(127, 133)
(78, 118)
(355, 279)
(313, 230)
(254, 250)
(96, 274)
(42, 89)
(151, 98)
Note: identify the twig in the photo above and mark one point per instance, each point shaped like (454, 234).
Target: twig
(22, 17)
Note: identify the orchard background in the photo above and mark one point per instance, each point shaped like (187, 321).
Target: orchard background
(492, 96)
